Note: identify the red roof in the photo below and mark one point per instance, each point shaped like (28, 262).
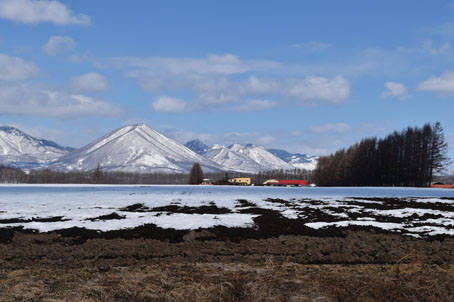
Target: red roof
(292, 182)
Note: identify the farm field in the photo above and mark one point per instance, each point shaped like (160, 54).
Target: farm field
(183, 243)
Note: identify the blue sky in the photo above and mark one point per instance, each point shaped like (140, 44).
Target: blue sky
(305, 76)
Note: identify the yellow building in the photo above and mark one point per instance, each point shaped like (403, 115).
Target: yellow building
(245, 181)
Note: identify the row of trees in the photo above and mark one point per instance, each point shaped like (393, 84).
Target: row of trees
(406, 158)
(98, 176)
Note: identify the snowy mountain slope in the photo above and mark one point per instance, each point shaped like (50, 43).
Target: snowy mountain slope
(246, 158)
(17, 148)
(197, 146)
(135, 148)
(232, 160)
(298, 160)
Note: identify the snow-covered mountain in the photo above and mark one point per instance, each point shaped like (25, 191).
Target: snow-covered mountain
(297, 160)
(138, 148)
(135, 148)
(19, 149)
(245, 158)
(197, 146)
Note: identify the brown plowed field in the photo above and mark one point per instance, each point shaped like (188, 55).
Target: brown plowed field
(223, 265)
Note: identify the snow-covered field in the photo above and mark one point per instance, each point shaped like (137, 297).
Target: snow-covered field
(416, 212)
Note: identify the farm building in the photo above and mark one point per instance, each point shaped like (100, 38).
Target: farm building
(286, 182)
(245, 181)
(441, 185)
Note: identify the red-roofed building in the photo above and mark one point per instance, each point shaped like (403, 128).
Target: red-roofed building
(287, 182)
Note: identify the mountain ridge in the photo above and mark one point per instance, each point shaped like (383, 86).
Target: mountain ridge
(20, 149)
(139, 148)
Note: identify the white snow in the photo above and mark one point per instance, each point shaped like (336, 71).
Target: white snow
(135, 148)
(246, 158)
(19, 147)
(77, 204)
(381, 225)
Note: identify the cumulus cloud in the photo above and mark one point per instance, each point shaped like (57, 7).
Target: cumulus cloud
(90, 82)
(442, 85)
(319, 90)
(165, 104)
(223, 81)
(58, 45)
(330, 127)
(38, 11)
(16, 69)
(38, 100)
(254, 105)
(397, 90)
(259, 86)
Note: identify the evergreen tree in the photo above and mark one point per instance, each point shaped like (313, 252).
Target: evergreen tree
(98, 174)
(196, 175)
(438, 150)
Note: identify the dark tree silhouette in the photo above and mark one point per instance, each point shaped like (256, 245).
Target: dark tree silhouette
(98, 174)
(196, 175)
(406, 158)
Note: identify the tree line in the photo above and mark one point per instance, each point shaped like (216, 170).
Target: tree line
(98, 176)
(406, 158)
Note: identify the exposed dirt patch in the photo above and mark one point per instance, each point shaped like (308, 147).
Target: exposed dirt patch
(112, 216)
(209, 209)
(401, 203)
(34, 219)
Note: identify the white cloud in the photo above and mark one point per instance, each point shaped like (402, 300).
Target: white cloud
(313, 45)
(218, 81)
(58, 45)
(428, 47)
(226, 64)
(254, 105)
(16, 69)
(330, 127)
(38, 11)
(90, 82)
(397, 90)
(165, 104)
(319, 90)
(212, 91)
(259, 86)
(443, 85)
(151, 84)
(86, 57)
(444, 48)
(36, 100)
(247, 138)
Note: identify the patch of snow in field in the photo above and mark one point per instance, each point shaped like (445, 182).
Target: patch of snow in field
(381, 225)
(432, 230)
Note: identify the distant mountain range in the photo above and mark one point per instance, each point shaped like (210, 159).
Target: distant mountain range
(138, 148)
(22, 150)
(297, 160)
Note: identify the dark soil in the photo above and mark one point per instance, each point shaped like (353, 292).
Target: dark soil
(210, 209)
(280, 259)
(112, 216)
(34, 219)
